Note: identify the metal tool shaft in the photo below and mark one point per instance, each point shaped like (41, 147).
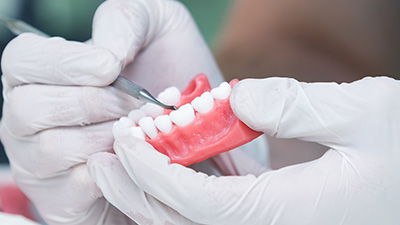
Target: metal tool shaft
(18, 27)
(138, 92)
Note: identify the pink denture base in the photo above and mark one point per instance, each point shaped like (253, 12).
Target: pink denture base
(208, 134)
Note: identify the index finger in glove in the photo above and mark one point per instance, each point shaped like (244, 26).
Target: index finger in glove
(34, 59)
(328, 113)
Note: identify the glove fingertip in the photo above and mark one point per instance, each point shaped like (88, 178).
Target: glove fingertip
(12, 52)
(100, 160)
(259, 103)
(109, 67)
(134, 150)
(242, 101)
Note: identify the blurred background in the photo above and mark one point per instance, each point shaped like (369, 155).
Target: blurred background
(310, 40)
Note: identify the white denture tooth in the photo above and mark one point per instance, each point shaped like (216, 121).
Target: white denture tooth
(119, 130)
(136, 115)
(137, 132)
(204, 103)
(148, 126)
(126, 122)
(170, 96)
(221, 92)
(183, 116)
(163, 123)
(152, 110)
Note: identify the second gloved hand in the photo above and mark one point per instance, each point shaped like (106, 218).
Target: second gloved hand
(355, 182)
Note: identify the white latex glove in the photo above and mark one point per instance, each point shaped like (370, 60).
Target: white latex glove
(58, 109)
(356, 182)
(9, 219)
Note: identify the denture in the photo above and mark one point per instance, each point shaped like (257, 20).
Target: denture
(203, 126)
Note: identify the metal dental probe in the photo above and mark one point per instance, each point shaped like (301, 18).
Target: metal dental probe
(18, 27)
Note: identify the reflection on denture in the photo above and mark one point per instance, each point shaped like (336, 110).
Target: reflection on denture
(203, 126)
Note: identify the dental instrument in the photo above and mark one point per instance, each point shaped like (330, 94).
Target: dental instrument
(18, 27)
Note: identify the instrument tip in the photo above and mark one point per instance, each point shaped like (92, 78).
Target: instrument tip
(172, 107)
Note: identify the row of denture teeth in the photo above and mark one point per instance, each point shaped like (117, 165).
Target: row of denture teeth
(150, 120)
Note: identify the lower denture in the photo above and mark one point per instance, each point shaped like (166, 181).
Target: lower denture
(208, 134)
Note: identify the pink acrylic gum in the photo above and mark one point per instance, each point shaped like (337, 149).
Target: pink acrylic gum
(208, 134)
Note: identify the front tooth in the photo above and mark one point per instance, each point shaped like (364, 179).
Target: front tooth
(147, 125)
(152, 110)
(136, 115)
(221, 92)
(204, 103)
(121, 127)
(126, 122)
(163, 123)
(170, 96)
(119, 130)
(137, 132)
(183, 116)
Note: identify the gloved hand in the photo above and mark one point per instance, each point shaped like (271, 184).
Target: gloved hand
(58, 109)
(356, 182)
(11, 219)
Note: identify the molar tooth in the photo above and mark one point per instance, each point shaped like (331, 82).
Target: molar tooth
(152, 110)
(137, 132)
(170, 96)
(136, 115)
(204, 103)
(147, 125)
(221, 92)
(183, 116)
(163, 123)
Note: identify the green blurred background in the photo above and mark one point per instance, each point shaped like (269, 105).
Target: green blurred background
(72, 19)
